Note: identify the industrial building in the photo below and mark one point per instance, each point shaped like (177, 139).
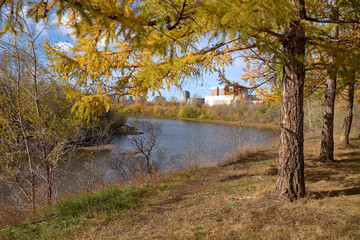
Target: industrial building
(184, 96)
(186, 99)
(218, 96)
(195, 101)
(222, 95)
(129, 98)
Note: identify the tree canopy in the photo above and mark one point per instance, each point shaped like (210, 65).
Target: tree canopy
(150, 45)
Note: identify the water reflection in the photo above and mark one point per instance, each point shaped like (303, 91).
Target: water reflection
(215, 141)
(185, 143)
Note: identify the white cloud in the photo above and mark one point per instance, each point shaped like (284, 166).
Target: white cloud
(63, 46)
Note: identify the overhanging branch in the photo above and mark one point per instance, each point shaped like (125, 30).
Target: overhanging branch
(316, 20)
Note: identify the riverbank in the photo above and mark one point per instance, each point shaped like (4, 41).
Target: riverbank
(213, 121)
(99, 147)
(245, 112)
(228, 201)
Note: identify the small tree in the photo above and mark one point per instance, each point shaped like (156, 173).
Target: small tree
(145, 142)
(173, 99)
(35, 125)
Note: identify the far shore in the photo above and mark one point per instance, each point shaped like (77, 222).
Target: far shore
(99, 147)
(245, 124)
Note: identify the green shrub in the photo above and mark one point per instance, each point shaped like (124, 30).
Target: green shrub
(187, 112)
(203, 116)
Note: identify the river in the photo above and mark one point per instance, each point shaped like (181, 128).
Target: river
(189, 143)
(216, 142)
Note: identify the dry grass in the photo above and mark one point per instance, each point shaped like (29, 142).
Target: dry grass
(11, 215)
(230, 201)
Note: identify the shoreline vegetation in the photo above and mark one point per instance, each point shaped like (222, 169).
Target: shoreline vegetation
(99, 147)
(250, 115)
(213, 121)
(245, 114)
(225, 201)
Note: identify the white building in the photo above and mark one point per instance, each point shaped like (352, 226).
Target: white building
(219, 100)
(219, 96)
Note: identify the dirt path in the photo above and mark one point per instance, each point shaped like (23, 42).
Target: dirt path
(194, 201)
(168, 208)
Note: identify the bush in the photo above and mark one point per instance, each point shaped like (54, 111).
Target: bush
(203, 116)
(180, 113)
(187, 112)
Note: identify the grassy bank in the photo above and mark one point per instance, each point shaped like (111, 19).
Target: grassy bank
(224, 122)
(228, 201)
(246, 113)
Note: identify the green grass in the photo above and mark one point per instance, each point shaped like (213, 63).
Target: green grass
(106, 200)
(79, 212)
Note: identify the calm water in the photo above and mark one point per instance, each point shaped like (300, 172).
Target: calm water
(185, 143)
(207, 141)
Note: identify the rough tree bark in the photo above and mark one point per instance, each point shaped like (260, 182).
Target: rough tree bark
(345, 133)
(290, 182)
(327, 138)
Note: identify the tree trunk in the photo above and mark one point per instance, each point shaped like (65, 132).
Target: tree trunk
(22, 128)
(49, 183)
(290, 182)
(33, 191)
(327, 139)
(344, 138)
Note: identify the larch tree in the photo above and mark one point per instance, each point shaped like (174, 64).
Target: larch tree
(346, 128)
(349, 80)
(327, 139)
(128, 46)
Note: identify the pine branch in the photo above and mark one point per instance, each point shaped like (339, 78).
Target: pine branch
(221, 44)
(181, 16)
(316, 20)
(171, 27)
(275, 34)
(329, 40)
(152, 23)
